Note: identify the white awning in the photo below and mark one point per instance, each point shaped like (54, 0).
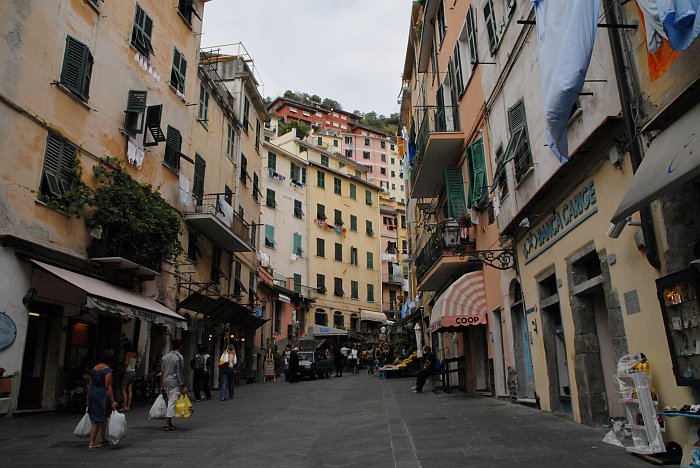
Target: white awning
(372, 316)
(672, 159)
(110, 298)
(284, 298)
(462, 304)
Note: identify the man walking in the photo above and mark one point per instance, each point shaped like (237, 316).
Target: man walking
(200, 365)
(294, 366)
(426, 371)
(172, 382)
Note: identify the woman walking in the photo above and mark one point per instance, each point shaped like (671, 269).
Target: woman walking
(227, 364)
(129, 376)
(100, 400)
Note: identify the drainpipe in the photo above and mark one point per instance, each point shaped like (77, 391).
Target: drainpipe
(632, 144)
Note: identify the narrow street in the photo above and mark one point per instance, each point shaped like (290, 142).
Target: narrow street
(338, 422)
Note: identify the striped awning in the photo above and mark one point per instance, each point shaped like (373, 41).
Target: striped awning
(462, 304)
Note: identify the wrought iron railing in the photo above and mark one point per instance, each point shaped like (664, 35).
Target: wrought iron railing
(392, 279)
(214, 204)
(432, 119)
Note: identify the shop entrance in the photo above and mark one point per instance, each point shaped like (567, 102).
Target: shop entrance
(36, 350)
(524, 378)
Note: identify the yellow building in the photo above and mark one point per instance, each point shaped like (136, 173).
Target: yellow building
(81, 83)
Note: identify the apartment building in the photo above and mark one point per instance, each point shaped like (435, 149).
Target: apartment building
(314, 115)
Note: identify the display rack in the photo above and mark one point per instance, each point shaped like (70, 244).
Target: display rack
(640, 410)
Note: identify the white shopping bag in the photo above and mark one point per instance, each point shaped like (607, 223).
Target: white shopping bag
(117, 427)
(83, 427)
(158, 409)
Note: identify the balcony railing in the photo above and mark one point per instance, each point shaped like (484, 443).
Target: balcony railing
(433, 119)
(215, 206)
(392, 279)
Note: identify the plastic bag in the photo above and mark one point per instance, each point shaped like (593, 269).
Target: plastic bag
(183, 407)
(84, 426)
(117, 427)
(158, 409)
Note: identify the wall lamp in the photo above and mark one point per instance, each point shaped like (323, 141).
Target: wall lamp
(29, 297)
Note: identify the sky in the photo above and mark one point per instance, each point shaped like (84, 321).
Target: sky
(349, 50)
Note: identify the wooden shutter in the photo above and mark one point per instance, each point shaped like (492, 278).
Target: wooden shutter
(516, 117)
(479, 182)
(179, 71)
(135, 108)
(136, 101)
(200, 166)
(77, 67)
(297, 244)
(368, 197)
(471, 33)
(269, 235)
(173, 145)
(153, 116)
(454, 183)
(141, 32)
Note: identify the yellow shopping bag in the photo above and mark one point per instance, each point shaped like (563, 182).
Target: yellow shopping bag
(183, 407)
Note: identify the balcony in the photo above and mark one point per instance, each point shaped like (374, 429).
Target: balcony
(439, 144)
(215, 218)
(392, 279)
(437, 264)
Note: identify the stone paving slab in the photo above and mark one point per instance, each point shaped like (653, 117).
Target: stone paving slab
(346, 422)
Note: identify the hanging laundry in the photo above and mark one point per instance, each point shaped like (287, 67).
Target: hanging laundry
(681, 21)
(654, 29)
(565, 37)
(345, 232)
(226, 210)
(134, 152)
(184, 190)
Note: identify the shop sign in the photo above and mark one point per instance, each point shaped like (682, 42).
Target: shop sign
(457, 321)
(8, 330)
(563, 220)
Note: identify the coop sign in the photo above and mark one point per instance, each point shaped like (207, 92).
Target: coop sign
(565, 218)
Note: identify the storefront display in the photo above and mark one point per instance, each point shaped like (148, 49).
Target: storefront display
(678, 298)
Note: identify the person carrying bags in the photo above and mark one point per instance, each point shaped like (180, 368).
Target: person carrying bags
(227, 366)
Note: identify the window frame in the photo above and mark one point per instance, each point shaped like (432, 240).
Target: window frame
(178, 72)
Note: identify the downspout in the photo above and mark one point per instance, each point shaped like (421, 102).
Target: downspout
(632, 144)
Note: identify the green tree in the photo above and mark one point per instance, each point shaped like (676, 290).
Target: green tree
(285, 127)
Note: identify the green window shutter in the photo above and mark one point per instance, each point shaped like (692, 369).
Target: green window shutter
(516, 117)
(229, 141)
(354, 287)
(297, 283)
(478, 194)
(173, 145)
(141, 32)
(134, 113)
(353, 191)
(337, 186)
(270, 198)
(77, 67)
(303, 176)
(269, 235)
(368, 197)
(136, 101)
(297, 209)
(353, 223)
(59, 160)
(297, 244)
(370, 260)
(271, 161)
(320, 179)
(200, 167)
(179, 71)
(471, 34)
(454, 183)
(370, 292)
(153, 116)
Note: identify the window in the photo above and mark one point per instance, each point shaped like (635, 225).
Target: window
(338, 319)
(203, 114)
(478, 185)
(278, 317)
(353, 256)
(335, 143)
(173, 144)
(324, 161)
(370, 260)
(77, 68)
(141, 32)
(303, 176)
(216, 272)
(297, 283)
(321, 283)
(490, 18)
(353, 223)
(321, 179)
(186, 9)
(59, 160)
(354, 290)
(382, 170)
(404, 247)
(244, 170)
(270, 199)
(319, 141)
(237, 284)
(320, 212)
(441, 26)
(370, 293)
(228, 195)
(192, 249)
(200, 167)
(294, 172)
(353, 191)
(393, 173)
(518, 148)
(348, 140)
(383, 157)
(246, 111)
(229, 141)
(367, 142)
(391, 247)
(256, 189)
(392, 148)
(338, 287)
(471, 37)
(499, 176)
(271, 161)
(320, 247)
(368, 197)
(403, 221)
(383, 145)
(348, 153)
(179, 72)
(135, 113)
(269, 236)
(337, 186)
(296, 248)
(257, 135)
(368, 225)
(339, 252)
(298, 213)
(338, 218)
(321, 317)
(365, 154)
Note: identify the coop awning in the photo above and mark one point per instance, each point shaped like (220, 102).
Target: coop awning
(672, 159)
(111, 298)
(462, 304)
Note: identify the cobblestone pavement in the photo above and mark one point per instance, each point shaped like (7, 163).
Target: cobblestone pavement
(351, 421)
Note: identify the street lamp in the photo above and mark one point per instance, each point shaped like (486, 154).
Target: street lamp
(419, 340)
